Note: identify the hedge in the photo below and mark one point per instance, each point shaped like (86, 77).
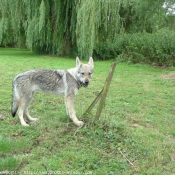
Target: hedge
(153, 48)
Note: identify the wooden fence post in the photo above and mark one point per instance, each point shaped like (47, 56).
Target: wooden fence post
(105, 90)
(102, 95)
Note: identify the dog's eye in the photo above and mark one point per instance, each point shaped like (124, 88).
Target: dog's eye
(90, 73)
(82, 73)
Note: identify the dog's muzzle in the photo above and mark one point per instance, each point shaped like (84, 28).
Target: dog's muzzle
(85, 84)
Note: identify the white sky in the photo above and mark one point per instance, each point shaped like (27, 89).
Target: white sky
(171, 9)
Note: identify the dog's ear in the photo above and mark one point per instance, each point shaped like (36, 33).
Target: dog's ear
(78, 62)
(91, 62)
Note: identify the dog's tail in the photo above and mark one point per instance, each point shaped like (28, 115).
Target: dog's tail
(15, 104)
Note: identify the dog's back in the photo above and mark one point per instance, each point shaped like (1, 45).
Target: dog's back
(40, 79)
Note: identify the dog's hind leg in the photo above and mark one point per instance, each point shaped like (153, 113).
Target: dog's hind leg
(20, 113)
(70, 107)
(26, 111)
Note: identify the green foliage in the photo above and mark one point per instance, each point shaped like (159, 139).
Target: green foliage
(42, 17)
(156, 48)
(96, 21)
(140, 19)
(58, 27)
(153, 48)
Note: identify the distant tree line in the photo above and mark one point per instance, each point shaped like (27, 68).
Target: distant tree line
(68, 27)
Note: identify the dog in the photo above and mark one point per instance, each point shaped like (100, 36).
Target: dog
(59, 82)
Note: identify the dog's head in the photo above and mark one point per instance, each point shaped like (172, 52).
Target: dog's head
(84, 71)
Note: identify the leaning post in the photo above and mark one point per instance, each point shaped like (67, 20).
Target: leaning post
(102, 95)
(105, 90)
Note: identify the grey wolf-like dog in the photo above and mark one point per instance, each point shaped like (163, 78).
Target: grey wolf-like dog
(59, 82)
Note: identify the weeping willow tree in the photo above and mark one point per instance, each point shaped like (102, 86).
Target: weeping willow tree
(96, 22)
(45, 25)
(60, 27)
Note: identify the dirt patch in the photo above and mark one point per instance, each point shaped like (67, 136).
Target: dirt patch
(171, 75)
(136, 124)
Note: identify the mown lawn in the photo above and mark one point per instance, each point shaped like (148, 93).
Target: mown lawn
(135, 134)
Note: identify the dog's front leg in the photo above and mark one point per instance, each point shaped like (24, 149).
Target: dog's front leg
(71, 109)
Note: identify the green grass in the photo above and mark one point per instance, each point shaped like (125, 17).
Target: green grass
(135, 134)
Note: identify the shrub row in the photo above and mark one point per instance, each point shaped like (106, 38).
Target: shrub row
(156, 48)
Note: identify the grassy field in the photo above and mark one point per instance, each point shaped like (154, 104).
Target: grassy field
(135, 134)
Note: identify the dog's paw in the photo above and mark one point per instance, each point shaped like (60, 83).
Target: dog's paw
(25, 124)
(79, 123)
(33, 119)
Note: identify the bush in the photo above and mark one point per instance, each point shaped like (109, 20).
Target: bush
(156, 48)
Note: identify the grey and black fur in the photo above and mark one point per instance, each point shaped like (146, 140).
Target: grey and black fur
(58, 82)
